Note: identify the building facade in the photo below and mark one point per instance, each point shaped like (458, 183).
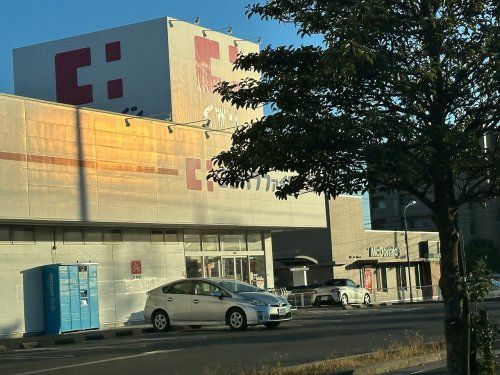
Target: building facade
(375, 259)
(84, 183)
(79, 185)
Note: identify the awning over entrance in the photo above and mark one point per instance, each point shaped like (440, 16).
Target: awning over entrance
(374, 262)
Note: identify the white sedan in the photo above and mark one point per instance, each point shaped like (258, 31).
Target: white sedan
(344, 291)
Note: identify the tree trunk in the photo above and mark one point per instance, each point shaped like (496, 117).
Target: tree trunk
(455, 324)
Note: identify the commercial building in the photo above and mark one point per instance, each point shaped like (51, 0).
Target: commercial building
(375, 259)
(84, 185)
(476, 221)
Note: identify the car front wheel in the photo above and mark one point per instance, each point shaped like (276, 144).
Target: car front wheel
(344, 300)
(161, 322)
(367, 299)
(237, 320)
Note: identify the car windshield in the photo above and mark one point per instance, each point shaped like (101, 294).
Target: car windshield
(236, 286)
(336, 282)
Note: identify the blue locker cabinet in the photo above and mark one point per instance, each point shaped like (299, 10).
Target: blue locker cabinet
(70, 297)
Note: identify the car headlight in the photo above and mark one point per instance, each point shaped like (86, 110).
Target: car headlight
(256, 302)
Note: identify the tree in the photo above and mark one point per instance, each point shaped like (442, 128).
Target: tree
(400, 95)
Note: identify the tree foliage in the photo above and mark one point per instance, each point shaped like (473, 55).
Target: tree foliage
(399, 95)
(480, 249)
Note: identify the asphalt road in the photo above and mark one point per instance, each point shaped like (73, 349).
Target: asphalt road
(317, 335)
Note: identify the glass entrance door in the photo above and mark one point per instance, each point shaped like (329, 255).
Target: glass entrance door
(235, 268)
(242, 269)
(228, 268)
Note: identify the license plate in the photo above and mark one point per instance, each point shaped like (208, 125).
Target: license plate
(281, 311)
(325, 298)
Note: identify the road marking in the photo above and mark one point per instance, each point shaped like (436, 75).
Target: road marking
(174, 338)
(97, 362)
(34, 349)
(111, 346)
(25, 357)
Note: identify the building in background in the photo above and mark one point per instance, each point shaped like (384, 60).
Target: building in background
(476, 221)
(83, 185)
(375, 259)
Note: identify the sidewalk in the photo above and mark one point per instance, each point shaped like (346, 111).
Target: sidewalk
(37, 341)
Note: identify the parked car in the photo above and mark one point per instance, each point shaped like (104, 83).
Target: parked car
(495, 286)
(344, 291)
(198, 302)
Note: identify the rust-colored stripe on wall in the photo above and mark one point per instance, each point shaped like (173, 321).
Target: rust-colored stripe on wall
(108, 165)
(42, 159)
(12, 156)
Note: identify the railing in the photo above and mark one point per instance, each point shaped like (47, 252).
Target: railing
(393, 295)
(401, 294)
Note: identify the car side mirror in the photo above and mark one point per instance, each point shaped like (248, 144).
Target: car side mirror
(217, 294)
(357, 285)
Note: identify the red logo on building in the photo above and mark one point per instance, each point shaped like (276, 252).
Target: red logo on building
(67, 64)
(204, 51)
(135, 267)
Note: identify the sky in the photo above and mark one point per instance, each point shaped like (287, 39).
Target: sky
(33, 21)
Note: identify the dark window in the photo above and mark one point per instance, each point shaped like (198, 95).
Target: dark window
(23, 234)
(157, 236)
(5, 234)
(73, 235)
(382, 279)
(351, 284)
(336, 282)
(170, 236)
(92, 235)
(203, 288)
(401, 276)
(113, 235)
(418, 281)
(183, 287)
(423, 249)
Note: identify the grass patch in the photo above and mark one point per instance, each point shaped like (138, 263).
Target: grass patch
(396, 350)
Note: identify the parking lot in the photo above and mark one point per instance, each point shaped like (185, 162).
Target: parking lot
(312, 335)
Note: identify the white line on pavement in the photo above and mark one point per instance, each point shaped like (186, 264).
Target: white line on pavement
(78, 348)
(96, 362)
(25, 357)
(174, 338)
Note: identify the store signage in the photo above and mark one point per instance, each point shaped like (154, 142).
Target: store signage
(368, 279)
(379, 251)
(67, 65)
(136, 269)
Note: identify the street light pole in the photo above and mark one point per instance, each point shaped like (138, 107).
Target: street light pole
(407, 251)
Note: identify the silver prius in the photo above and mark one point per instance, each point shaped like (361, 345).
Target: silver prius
(198, 302)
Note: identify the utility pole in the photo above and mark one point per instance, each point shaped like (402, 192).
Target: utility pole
(407, 251)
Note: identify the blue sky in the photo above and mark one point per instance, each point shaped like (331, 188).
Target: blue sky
(33, 21)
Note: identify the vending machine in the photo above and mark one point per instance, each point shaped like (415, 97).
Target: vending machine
(70, 297)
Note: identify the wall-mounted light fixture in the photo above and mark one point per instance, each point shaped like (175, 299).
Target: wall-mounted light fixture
(196, 20)
(258, 40)
(228, 30)
(141, 112)
(211, 130)
(206, 123)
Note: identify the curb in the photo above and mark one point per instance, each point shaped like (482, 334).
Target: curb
(397, 364)
(28, 345)
(380, 368)
(11, 344)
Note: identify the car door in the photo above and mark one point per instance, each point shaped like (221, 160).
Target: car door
(178, 302)
(354, 292)
(205, 306)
